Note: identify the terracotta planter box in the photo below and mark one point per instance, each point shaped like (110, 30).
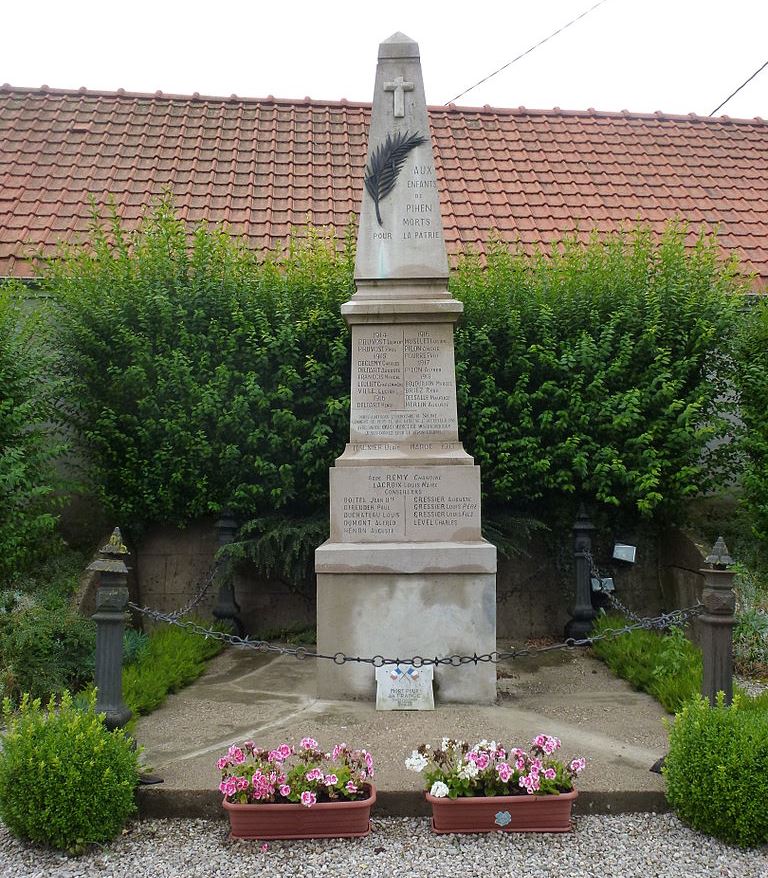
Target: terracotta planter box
(503, 813)
(344, 819)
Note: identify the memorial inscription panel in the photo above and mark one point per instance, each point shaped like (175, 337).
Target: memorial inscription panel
(403, 384)
(394, 504)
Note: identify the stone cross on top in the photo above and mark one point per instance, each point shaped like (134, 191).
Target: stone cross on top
(398, 88)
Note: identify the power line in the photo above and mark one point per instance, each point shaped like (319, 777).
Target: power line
(528, 51)
(719, 106)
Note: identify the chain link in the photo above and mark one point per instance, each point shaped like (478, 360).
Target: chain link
(205, 583)
(661, 622)
(596, 573)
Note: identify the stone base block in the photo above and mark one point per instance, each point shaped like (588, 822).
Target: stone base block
(405, 614)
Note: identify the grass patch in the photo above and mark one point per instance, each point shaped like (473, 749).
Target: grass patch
(171, 659)
(666, 666)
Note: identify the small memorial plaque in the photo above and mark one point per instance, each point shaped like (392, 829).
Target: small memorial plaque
(403, 687)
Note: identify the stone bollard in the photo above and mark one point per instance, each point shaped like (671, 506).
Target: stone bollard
(110, 615)
(717, 623)
(583, 614)
(227, 606)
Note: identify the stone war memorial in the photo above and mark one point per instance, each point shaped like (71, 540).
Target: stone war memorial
(405, 571)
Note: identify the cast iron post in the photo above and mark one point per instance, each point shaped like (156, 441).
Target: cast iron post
(583, 613)
(717, 623)
(110, 615)
(226, 605)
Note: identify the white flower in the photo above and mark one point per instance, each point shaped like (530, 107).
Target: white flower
(416, 762)
(439, 790)
(444, 744)
(468, 771)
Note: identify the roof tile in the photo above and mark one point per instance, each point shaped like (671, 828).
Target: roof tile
(264, 164)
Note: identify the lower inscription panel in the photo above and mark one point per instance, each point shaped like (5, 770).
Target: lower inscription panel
(401, 504)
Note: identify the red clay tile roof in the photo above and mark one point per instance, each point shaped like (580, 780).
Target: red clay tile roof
(262, 165)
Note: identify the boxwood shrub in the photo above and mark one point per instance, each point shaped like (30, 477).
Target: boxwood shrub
(65, 781)
(716, 770)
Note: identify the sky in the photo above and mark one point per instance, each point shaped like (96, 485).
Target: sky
(678, 56)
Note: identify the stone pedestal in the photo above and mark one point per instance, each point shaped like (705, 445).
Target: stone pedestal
(405, 571)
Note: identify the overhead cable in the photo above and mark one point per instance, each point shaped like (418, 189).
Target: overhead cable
(528, 51)
(720, 106)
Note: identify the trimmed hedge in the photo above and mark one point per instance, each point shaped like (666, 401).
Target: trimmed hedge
(717, 770)
(200, 376)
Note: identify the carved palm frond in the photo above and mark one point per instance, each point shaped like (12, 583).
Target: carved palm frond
(386, 162)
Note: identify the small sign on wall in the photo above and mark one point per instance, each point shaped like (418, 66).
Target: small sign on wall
(403, 687)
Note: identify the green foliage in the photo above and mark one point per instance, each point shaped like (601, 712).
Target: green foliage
(717, 770)
(28, 505)
(65, 781)
(45, 647)
(596, 372)
(751, 355)
(666, 666)
(282, 547)
(135, 645)
(172, 658)
(750, 642)
(200, 376)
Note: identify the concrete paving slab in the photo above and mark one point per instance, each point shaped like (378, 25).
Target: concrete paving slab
(246, 695)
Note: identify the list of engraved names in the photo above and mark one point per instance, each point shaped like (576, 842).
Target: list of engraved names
(402, 381)
(415, 504)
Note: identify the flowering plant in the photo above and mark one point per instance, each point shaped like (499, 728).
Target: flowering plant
(457, 769)
(288, 774)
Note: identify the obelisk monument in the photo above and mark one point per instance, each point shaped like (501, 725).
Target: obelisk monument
(405, 571)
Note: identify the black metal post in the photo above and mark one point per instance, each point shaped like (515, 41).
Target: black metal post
(227, 606)
(717, 624)
(110, 616)
(583, 613)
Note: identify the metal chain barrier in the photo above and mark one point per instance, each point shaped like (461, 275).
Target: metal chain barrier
(661, 622)
(205, 583)
(596, 573)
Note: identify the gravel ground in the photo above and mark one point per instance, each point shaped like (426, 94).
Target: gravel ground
(627, 846)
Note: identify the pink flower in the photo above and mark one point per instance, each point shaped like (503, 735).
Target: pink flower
(228, 787)
(285, 750)
(309, 743)
(504, 771)
(351, 786)
(222, 763)
(530, 783)
(337, 751)
(314, 774)
(482, 761)
(550, 774)
(275, 756)
(236, 755)
(520, 764)
(242, 783)
(539, 740)
(308, 798)
(578, 765)
(368, 762)
(249, 745)
(285, 790)
(330, 779)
